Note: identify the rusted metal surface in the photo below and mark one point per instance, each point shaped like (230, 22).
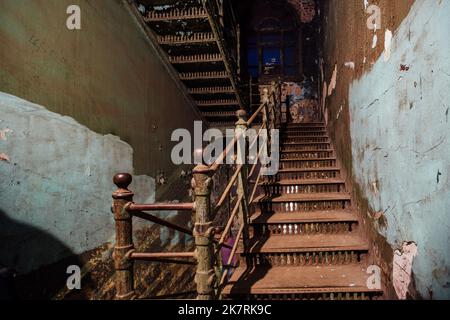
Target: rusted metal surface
(149, 217)
(227, 190)
(124, 238)
(196, 40)
(176, 14)
(204, 233)
(227, 229)
(167, 257)
(160, 207)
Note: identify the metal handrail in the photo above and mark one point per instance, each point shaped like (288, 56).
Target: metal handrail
(208, 249)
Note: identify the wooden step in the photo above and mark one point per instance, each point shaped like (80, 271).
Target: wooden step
(351, 279)
(304, 217)
(308, 244)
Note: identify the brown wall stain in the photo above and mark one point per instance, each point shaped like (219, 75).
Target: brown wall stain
(346, 38)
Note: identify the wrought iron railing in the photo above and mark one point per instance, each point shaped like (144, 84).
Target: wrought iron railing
(211, 273)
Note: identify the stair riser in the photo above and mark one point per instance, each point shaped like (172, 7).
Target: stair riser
(295, 164)
(274, 190)
(303, 134)
(295, 229)
(305, 139)
(308, 206)
(337, 258)
(358, 296)
(307, 155)
(304, 129)
(309, 175)
(299, 147)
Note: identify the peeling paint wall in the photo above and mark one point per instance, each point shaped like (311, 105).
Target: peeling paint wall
(388, 118)
(401, 142)
(96, 101)
(55, 191)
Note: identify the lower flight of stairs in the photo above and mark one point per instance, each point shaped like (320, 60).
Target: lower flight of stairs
(305, 241)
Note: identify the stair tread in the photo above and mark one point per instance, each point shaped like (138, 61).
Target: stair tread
(302, 129)
(299, 279)
(325, 196)
(307, 243)
(308, 159)
(307, 151)
(303, 182)
(307, 143)
(309, 169)
(304, 217)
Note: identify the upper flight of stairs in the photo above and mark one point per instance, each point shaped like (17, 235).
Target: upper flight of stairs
(201, 46)
(305, 240)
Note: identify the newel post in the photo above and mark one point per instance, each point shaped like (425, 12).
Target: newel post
(124, 278)
(205, 276)
(242, 188)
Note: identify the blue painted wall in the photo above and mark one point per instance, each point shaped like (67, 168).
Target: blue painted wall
(400, 132)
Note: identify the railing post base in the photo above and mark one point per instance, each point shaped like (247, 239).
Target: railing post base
(205, 276)
(124, 267)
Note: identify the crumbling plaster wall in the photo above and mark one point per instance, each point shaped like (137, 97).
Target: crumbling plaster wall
(96, 101)
(392, 109)
(55, 191)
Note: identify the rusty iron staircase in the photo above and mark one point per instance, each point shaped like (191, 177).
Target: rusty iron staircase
(305, 239)
(200, 39)
(296, 234)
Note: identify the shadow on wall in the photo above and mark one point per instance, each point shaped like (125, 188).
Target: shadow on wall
(20, 245)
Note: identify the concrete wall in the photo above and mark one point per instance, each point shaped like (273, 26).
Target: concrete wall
(55, 191)
(107, 75)
(96, 101)
(393, 111)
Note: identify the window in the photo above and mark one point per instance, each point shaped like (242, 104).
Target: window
(273, 54)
